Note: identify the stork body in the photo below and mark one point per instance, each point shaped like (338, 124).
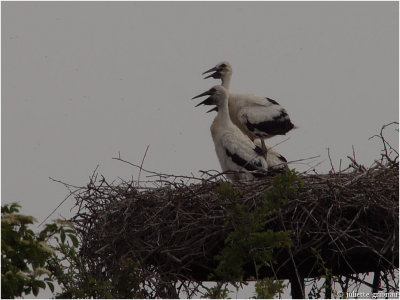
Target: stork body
(275, 161)
(235, 150)
(255, 116)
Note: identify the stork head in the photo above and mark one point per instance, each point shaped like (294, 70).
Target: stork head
(217, 96)
(221, 70)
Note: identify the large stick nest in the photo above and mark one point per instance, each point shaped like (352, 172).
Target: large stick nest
(174, 230)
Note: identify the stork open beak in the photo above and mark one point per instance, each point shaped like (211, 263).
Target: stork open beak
(215, 75)
(211, 70)
(202, 94)
(212, 109)
(208, 101)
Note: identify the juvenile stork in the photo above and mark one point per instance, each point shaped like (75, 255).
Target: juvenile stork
(236, 152)
(255, 116)
(275, 161)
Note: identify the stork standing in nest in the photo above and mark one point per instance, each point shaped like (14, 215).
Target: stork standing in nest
(257, 117)
(236, 151)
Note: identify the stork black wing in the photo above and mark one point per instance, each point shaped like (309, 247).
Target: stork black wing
(279, 125)
(272, 101)
(282, 158)
(258, 150)
(246, 164)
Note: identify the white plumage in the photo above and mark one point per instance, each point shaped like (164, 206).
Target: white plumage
(236, 151)
(275, 161)
(255, 116)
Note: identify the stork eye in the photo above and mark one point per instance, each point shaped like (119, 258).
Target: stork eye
(223, 65)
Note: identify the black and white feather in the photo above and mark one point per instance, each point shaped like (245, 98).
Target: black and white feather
(275, 161)
(257, 117)
(236, 151)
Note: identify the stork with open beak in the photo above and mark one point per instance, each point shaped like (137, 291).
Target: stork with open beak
(236, 152)
(257, 117)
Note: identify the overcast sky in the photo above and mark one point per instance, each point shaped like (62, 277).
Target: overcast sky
(82, 81)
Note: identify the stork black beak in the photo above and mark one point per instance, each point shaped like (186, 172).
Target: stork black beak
(212, 109)
(211, 70)
(202, 94)
(215, 75)
(208, 101)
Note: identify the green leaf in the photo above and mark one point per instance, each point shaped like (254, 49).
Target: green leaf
(267, 288)
(74, 240)
(35, 290)
(51, 286)
(40, 284)
(62, 235)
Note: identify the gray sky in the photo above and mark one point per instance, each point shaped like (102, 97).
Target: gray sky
(82, 81)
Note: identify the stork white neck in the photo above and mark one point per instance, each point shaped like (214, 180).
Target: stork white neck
(223, 111)
(226, 81)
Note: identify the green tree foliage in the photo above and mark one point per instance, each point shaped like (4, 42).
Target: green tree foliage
(66, 266)
(219, 291)
(326, 273)
(23, 255)
(250, 242)
(27, 257)
(71, 271)
(267, 288)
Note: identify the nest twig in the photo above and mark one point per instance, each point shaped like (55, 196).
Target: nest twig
(173, 230)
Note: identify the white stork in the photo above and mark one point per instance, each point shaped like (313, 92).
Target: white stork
(235, 151)
(255, 116)
(275, 161)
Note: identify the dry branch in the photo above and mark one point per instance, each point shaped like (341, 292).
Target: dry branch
(174, 230)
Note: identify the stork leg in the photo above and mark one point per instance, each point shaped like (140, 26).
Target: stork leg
(263, 147)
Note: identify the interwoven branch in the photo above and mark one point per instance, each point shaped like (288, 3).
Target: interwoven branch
(173, 229)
